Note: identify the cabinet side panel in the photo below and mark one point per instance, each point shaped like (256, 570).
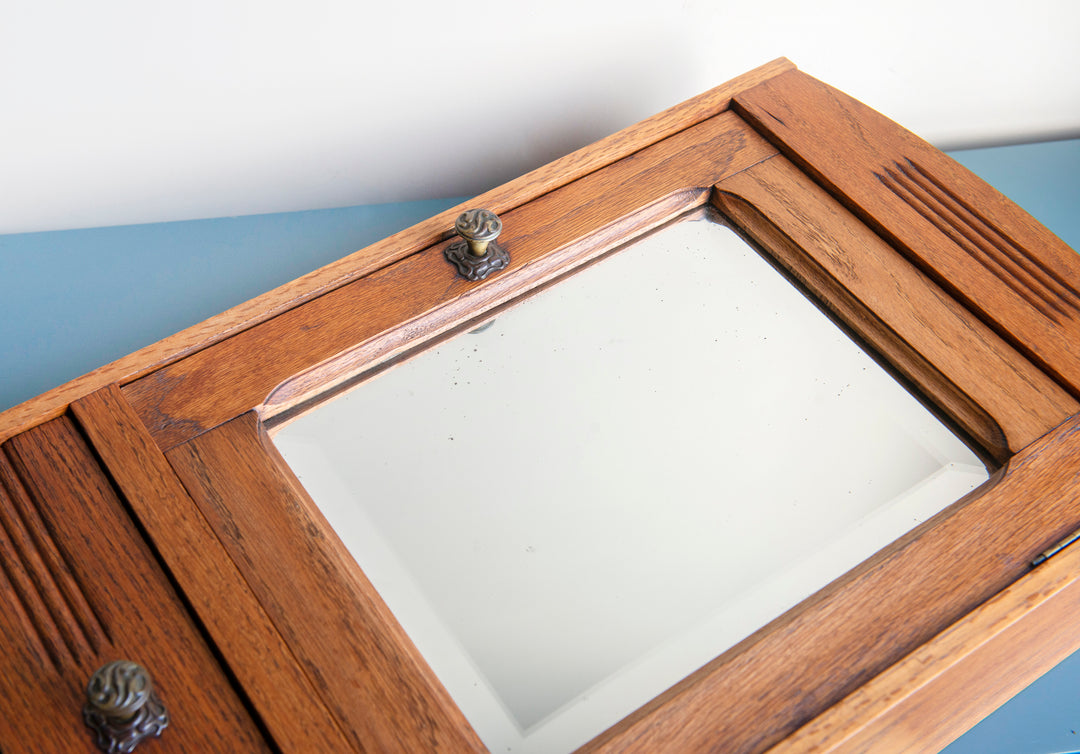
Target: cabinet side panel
(270, 675)
(84, 589)
(1014, 274)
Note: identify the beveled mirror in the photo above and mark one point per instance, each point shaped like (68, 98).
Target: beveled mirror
(618, 484)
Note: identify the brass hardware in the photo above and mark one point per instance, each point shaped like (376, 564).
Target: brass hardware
(122, 708)
(478, 227)
(477, 255)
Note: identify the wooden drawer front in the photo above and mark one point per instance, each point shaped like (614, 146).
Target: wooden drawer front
(79, 588)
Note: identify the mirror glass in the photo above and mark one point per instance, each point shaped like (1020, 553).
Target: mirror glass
(575, 505)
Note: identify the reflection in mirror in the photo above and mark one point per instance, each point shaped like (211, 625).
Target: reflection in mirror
(574, 507)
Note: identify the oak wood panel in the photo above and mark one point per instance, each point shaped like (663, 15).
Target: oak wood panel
(76, 569)
(287, 701)
(939, 691)
(66, 626)
(382, 692)
(422, 296)
(795, 668)
(1016, 275)
(993, 392)
(398, 246)
(50, 631)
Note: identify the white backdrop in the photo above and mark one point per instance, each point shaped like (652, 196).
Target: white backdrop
(128, 111)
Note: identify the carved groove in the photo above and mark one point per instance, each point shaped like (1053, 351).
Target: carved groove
(43, 582)
(933, 211)
(24, 598)
(1028, 277)
(1067, 292)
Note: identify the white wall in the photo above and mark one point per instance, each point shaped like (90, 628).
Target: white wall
(126, 111)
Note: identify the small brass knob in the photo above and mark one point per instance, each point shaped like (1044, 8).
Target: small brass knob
(121, 706)
(477, 255)
(478, 227)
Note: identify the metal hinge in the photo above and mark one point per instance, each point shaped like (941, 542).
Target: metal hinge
(1047, 554)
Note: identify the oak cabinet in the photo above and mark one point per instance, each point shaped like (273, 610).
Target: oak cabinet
(959, 293)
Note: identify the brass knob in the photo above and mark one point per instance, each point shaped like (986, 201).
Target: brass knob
(477, 255)
(121, 706)
(478, 227)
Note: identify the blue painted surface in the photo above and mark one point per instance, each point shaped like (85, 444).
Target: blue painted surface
(71, 301)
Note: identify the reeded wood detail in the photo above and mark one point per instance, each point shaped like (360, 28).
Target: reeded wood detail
(987, 245)
(983, 250)
(43, 586)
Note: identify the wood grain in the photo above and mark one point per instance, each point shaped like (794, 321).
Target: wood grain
(63, 623)
(981, 240)
(277, 686)
(804, 662)
(421, 297)
(114, 600)
(304, 631)
(984, 385)
(938, 692)
(398, 246)
(1013, 273)
(379, 688)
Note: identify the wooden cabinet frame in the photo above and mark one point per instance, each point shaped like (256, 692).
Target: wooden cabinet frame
(955, 289)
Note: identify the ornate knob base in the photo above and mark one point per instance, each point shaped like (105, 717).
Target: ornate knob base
(121, 737)
(477, 255)
(122, 708)
(472, 267)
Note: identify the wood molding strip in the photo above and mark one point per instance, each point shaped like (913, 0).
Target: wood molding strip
(396, 247)
(380, 690)
(277, 686)
(1018, 277)
(993, 392)
(421, 297)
